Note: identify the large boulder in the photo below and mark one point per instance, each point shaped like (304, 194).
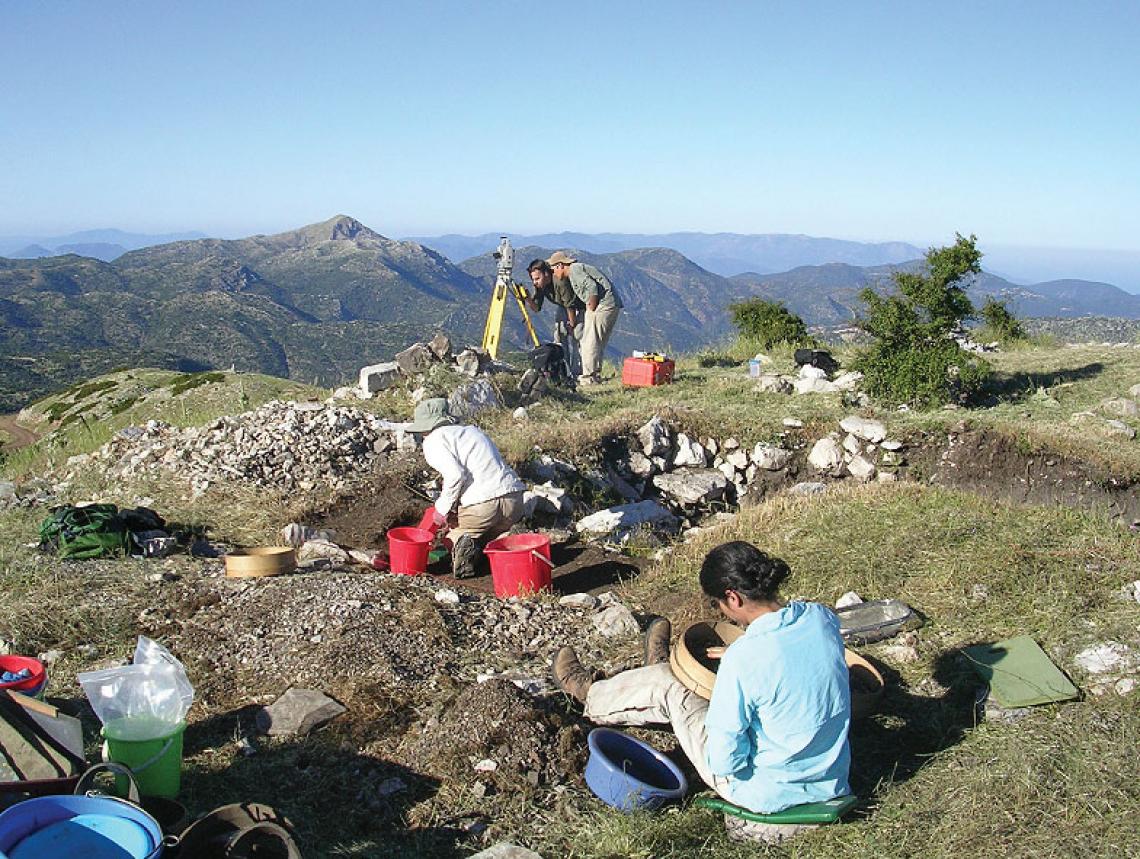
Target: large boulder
(690, 452)
(826, 455)
(625, 517)
(378, 377)
(440, 346)
(415, 359)
(770, 457)
(468, 400)
(692, 486)
(655, 437)
(470, 362)
(864, 428)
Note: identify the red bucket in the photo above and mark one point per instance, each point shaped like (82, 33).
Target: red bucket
(408, 550)
(520, 564)
(33, 685)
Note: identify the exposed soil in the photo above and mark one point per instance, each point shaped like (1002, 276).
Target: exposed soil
(991, 464)
(15, 435)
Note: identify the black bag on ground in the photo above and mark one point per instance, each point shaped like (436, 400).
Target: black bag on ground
(550, 360)
(817, 358)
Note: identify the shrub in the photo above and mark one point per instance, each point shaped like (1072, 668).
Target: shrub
(1000, 323)
(913, 359)
(769, 323)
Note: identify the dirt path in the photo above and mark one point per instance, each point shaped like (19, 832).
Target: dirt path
(14, 435)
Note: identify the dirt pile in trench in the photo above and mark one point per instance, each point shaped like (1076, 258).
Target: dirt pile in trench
(496, 734)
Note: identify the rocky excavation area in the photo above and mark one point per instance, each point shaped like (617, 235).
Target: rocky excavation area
(439, 678)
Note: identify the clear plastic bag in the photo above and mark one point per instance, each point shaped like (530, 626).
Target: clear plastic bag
(144, 700)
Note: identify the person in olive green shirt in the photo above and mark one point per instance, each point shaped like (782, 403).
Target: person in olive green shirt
(568, 316)
(603, 306)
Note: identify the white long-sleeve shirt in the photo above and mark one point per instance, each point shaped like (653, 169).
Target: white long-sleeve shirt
(472, 468)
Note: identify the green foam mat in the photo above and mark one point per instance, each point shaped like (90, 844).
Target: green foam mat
(1019, 673)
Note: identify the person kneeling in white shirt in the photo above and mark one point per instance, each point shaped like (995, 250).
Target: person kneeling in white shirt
(488, 493)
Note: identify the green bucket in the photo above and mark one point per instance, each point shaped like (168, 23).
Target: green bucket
(156, 762)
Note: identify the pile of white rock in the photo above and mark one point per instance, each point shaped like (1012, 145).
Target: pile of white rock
(860, 450)
(281, 445)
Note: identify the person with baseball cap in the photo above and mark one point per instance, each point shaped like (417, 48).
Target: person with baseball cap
(603, 306)
(482, 491)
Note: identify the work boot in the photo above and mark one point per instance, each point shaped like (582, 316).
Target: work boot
(465, 557)
(657, 636)
(570, 675)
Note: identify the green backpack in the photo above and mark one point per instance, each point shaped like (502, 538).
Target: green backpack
(85, 532)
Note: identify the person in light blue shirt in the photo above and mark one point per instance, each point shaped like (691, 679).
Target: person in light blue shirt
(774, 734)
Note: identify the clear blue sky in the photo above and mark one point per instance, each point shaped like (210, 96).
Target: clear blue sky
(878, 121)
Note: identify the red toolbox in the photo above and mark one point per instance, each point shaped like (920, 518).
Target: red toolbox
(645, 372)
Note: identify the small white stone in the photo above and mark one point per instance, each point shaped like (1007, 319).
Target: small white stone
(849, 598)
(1125, 686)
(520, 414)
(486, 766)
(794, 423)
(447, 596)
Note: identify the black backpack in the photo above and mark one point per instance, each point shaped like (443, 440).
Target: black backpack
(550, 360)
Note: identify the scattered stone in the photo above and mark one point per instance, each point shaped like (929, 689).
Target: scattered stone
(584, 601)
(809, 371)
(1131, 591)
(415, 359)
(1104, 658)
(50, 656)
(814, 386)
(485, 766)
(887, 477)
(810, 487)
(640, 465)
(440, 346)
(826, 455)
(616, 620)
(298, 712)
(864, 429)
(690, 452)
(470, 399)
(1121, 407)
(1120, 428)
(730, 444)
(247, 746)
(469, 362)
(295, 534)
(773, 383)
(848, 599)
(792, 423)
(770, 457)
(447, 596)
(711, 446)
(548, 498)
(891, 445)
(1124, 686)
(378, 377)
(693, 485)
(346, 392)
(626, 516)
(891, 459)
(728, 470)
(852, 445)
(312, 550)
(520, 414)
(505, 850)
(654, 437)
(1134, 392)
(848, 381)
(391, 786)
(861, 468)
(902, 653)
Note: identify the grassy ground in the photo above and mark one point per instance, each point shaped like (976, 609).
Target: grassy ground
(932, 781)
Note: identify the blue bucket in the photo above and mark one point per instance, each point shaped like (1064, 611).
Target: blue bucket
(94, 827)
(628, 774)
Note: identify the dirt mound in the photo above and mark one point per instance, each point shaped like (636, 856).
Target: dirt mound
(495, 733)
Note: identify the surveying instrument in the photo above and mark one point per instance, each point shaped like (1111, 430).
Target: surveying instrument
(504, 284)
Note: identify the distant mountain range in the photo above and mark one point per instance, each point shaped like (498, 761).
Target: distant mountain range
(99, 244)
(720, 253)
(317, 303)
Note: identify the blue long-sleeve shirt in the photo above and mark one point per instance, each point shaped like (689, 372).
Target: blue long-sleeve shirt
(780, 711)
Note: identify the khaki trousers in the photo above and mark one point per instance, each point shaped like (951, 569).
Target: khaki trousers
(653, 696)
(597, 326)
(488, 518)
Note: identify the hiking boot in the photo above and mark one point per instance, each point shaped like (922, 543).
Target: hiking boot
(657, 636)
(570, 675)
(465, 557)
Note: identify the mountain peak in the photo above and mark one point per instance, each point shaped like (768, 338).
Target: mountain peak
(344, 227)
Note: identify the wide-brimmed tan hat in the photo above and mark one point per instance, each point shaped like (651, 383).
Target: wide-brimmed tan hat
(560, 257)
(430, 414)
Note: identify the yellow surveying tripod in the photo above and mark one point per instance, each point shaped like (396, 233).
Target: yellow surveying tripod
(504, 283)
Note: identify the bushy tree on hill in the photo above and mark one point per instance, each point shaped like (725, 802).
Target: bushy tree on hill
(1000, 323)
(914, 359)
(769, 323)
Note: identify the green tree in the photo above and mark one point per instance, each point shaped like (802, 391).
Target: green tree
(769, 323)
(1000, 322)
(914, 360)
